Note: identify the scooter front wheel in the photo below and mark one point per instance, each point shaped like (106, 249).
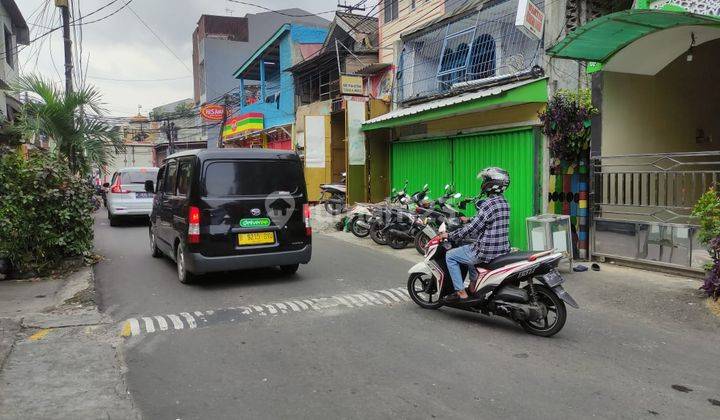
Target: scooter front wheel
(358, 230)
(377, 234)
(421, 241)
(423, 291)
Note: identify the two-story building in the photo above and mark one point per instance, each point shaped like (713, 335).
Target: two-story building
(469, 86)
(333, 97)
(15, 33)
(266, 112)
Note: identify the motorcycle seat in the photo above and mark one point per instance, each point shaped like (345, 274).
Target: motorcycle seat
(507, 259)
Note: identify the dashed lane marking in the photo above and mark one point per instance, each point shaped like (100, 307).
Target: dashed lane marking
(197, 319)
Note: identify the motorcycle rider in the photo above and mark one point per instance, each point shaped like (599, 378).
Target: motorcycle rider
(488, 231)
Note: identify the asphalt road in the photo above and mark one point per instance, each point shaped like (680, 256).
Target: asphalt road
(631, 351)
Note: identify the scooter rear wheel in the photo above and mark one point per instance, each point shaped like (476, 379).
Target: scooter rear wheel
(423, 291)
(556, 316)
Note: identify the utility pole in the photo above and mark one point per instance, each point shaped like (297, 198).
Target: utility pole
(65, 10)
(350, 8)
(226, 101)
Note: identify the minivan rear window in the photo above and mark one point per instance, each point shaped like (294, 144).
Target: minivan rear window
(138, 177)
(256, 177)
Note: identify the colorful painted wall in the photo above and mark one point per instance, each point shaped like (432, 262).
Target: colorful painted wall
(568, 195)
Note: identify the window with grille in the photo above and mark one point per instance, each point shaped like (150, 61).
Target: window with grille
(391, 10)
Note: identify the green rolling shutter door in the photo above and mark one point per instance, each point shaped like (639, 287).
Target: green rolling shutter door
(512, 151)
(421, 162)
(458, 160)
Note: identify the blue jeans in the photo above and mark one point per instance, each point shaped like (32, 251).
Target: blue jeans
(462, 255)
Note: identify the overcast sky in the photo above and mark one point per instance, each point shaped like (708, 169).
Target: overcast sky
(120, 47)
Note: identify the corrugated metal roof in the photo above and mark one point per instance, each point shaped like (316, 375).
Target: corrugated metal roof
(441, 103)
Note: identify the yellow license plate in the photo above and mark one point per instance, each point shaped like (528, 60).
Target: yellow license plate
(258, 238)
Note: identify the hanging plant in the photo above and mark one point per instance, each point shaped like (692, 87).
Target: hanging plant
(566, 123)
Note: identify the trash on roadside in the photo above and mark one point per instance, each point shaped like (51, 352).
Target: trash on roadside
(595, 267)
(580, 268)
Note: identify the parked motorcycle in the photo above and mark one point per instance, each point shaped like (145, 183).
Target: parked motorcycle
(398, 225)
(538, 306)
(362, 216)
(333, 196)
(442, 212)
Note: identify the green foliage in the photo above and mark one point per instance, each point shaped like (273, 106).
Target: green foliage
(71, 121)
(707, 211)
(566, 122)
(45, 212)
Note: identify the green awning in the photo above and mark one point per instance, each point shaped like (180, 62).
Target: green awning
(603, 37)
(527, 91)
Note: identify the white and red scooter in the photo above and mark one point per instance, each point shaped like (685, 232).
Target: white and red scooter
(522, 286)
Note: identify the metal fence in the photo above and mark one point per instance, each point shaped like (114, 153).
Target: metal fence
(642, 205)
(657, 187)
(475, 47)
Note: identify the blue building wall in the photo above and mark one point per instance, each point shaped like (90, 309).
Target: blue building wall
(283, 112)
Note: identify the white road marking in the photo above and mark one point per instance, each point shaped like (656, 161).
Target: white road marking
(272, 309)
(190, 320)
(400, 294)
(353, 301)
(380, 297)
(177, 323)
(386, 293)
(134, 326)
(149, 326)
(161, 323)
(372, 298)
(363, 299)
(343, 301)
(360, 299)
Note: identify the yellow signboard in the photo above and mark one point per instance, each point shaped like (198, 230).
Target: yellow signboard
(351, 85)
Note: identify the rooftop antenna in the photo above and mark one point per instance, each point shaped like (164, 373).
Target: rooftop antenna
(350, 8)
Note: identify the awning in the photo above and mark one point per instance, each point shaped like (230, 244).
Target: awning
(527, 91)
(602, 39)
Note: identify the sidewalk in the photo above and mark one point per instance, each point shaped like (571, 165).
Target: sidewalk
(58, 355)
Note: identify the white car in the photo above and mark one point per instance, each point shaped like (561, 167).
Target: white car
(126, 195)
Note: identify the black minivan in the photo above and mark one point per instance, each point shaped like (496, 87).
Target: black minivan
(231, 209)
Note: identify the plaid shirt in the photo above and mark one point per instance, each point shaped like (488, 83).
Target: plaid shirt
(489, 229)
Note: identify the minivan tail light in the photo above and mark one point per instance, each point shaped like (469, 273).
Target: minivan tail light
(306, 217)
(194, 225)
(117, 188)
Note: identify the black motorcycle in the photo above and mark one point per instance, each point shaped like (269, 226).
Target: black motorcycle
(398, 226)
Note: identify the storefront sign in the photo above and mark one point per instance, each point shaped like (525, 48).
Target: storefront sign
(356, 137)
(212, 112)
(252, 121)
(351, 85)
(530, 19)
(315, 138)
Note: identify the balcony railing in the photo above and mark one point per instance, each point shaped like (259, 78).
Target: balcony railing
(484, 45)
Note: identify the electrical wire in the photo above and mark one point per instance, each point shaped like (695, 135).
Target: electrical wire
(159, 39)
(280, 12)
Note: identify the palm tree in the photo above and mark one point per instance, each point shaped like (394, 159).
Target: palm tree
(72, 121)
